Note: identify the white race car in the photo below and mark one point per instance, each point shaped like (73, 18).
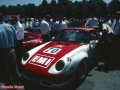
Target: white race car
(63, 60)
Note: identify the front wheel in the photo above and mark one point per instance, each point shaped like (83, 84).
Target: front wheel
(81, 71)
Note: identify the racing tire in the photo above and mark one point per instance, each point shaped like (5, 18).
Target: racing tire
(81, 71)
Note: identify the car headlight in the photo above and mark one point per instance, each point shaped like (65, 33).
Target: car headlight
(59, 65)
(25, 56)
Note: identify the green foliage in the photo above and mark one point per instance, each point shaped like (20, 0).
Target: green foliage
(44, 3)
(114, 6)
(65, 8)
(3, 9)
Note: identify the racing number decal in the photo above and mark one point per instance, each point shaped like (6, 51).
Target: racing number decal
(52, 50)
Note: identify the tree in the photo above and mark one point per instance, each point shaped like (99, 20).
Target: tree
(19, 11)
(53, 3)
(11, 10)
(114, 6)
(41, 11)
(50, 9)
(44, 3)
(70, 10)
(26, 10)
(102, 8)
(60, 9)
(63, 7)
(93, 7)
(32, 10)
(3, 10)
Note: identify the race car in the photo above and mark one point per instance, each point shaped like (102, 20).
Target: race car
(64, 60)
(31, 40)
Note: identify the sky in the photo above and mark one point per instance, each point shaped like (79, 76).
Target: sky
(36, 2)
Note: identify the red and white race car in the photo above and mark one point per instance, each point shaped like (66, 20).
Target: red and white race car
(63, 60)
(31, 40)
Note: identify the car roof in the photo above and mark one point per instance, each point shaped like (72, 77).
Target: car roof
(80, 28)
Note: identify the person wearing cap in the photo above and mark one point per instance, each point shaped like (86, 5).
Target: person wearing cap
(8, 66)
(45, 29)
(19, 28)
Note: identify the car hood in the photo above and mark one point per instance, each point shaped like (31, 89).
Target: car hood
(47, 55)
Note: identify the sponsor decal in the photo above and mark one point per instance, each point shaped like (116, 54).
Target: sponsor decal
(41, 60)
(73, 55)
(52, 50)
(59, 46)
(69, 59)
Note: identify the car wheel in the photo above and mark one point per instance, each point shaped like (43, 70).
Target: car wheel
(81, 71)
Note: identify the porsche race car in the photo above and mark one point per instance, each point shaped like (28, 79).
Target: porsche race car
(63, 60)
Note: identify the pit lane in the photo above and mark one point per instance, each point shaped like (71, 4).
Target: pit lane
(100, 77)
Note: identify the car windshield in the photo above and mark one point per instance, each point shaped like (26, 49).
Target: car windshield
(75, 36)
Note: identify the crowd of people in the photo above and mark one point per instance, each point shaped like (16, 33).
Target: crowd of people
(12, 35)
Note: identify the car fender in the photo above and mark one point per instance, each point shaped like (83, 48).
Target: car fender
(74, 64)
(32, 52)
(71, 60)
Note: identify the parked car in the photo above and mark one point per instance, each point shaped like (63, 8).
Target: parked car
(63, 60)
(31, 40)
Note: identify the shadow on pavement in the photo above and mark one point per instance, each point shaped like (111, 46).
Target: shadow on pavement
(109, 63)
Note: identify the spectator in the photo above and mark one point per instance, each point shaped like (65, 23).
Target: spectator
(8, 66)
(61, 25)
(19, 28)
(116, 29)
(54, 23)
(30, 23)
(71, 22)
(83, 21)
(109, 20)
(45, 29)
(65, 20)
(106, 34)
(92, 21)
(36, 26)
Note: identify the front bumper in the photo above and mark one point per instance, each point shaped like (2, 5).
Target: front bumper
(51, 82)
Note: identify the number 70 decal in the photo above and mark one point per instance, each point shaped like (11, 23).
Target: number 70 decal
(52, 50)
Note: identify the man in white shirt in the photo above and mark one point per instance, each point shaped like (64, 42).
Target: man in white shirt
(92, 21)
(19, 28)
(116, 29)
(53, 24)
(61, 25)
(45, 29)
(116, 24)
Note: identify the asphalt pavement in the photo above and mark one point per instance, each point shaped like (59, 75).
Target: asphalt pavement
(100, 77)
